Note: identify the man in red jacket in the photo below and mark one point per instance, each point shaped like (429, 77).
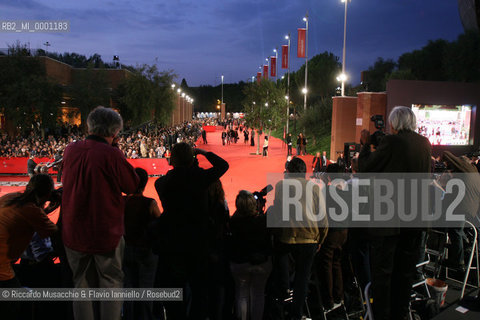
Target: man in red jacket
(95, 173)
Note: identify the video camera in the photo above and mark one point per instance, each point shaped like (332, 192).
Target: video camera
(377, 136)
(260, 197)
(43, 167)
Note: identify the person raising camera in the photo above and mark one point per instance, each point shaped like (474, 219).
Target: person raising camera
(395, 250)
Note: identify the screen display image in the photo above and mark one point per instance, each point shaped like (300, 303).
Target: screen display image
(444, 124)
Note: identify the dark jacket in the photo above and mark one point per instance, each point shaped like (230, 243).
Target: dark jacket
(183, 226)
(405, 152)
(250, 240)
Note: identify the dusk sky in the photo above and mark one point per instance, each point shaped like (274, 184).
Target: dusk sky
(202, 39)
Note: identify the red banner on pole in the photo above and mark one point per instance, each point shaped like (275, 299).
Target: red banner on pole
(302, 32)
(273, 66)
(285, 57)
(265, 72)
(259, 77)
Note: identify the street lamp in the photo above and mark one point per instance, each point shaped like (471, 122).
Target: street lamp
(173, 85)
(287, 37)
(344, 43)
(46, 44)
(342, 77)
(306, 65)
(222, 88)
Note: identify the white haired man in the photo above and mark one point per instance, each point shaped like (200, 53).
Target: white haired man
(95, 173)
(395, 250)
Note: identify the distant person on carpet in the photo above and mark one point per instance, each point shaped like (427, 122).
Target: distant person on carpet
(224, 137)
(289, 144)
(252, 138)
(265, 147)
(31, 165)
(204, 136)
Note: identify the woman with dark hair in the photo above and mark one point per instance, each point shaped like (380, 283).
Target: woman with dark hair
(250, 257)
(265, 147)
(140, 264)
(219, 272)
(21, 215)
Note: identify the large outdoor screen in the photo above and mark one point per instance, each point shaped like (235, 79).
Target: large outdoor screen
(444, 124)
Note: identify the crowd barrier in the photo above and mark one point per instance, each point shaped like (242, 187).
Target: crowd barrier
(210, 128)
(19, 165)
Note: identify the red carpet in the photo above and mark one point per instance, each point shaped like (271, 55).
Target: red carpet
(247, 170)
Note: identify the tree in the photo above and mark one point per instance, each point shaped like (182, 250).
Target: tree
(323, 70)
(146, 95)
(317, 121)
(206, 96)
(427, 63)
(89, 89)
(27, 97)
(376, 75)
(264, 105)
(462, 58)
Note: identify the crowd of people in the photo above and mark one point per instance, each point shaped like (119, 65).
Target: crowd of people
(147, 141)
(109, 235)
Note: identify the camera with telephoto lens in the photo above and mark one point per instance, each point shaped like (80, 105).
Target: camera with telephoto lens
(260, 197)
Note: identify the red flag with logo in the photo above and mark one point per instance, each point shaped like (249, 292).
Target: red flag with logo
(259, 77)
(273, 66)
(285, 57)
(265, 72)
(302, 32)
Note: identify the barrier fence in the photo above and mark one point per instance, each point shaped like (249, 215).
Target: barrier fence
(19, 165)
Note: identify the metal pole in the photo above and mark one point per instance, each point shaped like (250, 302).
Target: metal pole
(344, 43)
(276, 64)
(222, 88)
(306, 65)
(288, 84)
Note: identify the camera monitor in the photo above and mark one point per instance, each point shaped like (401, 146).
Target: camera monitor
(444, 124)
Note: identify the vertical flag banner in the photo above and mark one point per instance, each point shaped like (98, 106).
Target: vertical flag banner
(265, 72)
(273, 66)
(301, 42)
(285, 57)
(259, 77)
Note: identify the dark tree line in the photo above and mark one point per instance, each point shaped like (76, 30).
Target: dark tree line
(30, 100)
(439, 60)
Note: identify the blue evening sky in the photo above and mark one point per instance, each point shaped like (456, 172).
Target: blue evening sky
(202, 39)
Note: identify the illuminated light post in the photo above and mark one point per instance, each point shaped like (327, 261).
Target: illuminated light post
(343, 76)
(222, 88)
(306, 63)
(287, 37)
